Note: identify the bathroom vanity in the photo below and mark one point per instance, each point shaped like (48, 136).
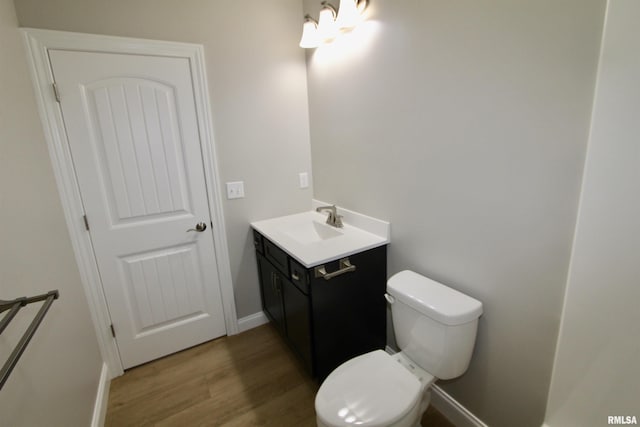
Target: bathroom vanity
(322, 288)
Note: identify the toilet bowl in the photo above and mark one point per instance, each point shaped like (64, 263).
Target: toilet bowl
(435, 328)
(374, 389)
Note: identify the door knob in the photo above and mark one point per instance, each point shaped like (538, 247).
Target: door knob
(200, 227)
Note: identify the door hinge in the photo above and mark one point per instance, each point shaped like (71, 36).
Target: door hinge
(113, 331)
(86, 222)
(56, 93)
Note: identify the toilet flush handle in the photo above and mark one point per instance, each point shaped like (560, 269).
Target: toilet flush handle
(389, 298)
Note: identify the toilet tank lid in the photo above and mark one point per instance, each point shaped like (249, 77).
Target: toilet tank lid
(433, 299)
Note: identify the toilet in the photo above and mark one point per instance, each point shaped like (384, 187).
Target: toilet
(435, 328)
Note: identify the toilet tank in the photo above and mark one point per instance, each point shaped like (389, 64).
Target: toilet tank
(434, 325)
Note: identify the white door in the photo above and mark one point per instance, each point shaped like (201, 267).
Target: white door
(132, 127)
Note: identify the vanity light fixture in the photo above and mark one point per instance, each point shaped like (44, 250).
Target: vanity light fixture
(349, 14)
(310, 37)
(327, 28)
(331, 22)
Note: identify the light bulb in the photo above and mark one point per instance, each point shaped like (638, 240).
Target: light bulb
(327, 28)
(348, 15)
(310, 37)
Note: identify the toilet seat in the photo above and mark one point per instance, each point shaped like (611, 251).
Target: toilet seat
(372, 390)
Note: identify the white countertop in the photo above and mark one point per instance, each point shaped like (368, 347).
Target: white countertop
(307, 238)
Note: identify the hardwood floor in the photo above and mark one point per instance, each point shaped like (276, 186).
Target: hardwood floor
(251, 379)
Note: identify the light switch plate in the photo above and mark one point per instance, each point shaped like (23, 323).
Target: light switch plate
(235, 190)
(304, 179)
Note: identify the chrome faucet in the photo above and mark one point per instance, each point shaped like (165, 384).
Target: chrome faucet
(333, 219)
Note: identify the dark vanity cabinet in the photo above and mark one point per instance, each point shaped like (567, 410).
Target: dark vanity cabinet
(325, 322)
(293, 322)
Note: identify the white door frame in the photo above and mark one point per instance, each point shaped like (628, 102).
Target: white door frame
(38, 42)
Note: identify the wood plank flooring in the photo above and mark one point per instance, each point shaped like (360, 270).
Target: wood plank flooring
(251, 379)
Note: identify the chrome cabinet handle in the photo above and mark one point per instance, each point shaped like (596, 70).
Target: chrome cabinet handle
(200, 227)
(345, 267)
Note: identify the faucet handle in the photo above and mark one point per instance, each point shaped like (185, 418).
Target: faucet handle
(333, 219)
(330, 218)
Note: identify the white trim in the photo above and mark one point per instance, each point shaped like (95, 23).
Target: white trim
(252, 321)
(586, 163)
(55, 136)
(448, 406)
(102, 398)
(38, 42)
(214, 195)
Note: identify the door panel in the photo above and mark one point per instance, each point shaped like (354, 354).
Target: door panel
(136, 131)
(163, 286)
(132, 128)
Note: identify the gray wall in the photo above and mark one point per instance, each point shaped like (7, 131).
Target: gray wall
(55, 381)
(596, 372)
(257, 83)
(465, 124)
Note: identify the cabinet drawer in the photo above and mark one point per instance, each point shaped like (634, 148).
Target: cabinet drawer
(299, 276)
(257, 242)
(277, 256)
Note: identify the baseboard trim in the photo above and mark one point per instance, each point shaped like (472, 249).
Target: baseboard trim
(252, 321)
(102, 398)
(453, 410)
(449, 407)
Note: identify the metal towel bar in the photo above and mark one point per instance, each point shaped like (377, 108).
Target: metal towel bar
(13, 307)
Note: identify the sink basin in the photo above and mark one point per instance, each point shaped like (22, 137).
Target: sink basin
(307, 238)
(310, 232)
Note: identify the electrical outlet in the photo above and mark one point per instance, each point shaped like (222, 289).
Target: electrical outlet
(304, 179)
(235, 190)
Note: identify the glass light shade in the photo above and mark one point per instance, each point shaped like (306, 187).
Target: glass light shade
(310, 37)
(348, 15)
(327, 28)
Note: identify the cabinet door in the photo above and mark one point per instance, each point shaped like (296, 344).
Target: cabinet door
(271, 293)
(298, 319)
(349, 311)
